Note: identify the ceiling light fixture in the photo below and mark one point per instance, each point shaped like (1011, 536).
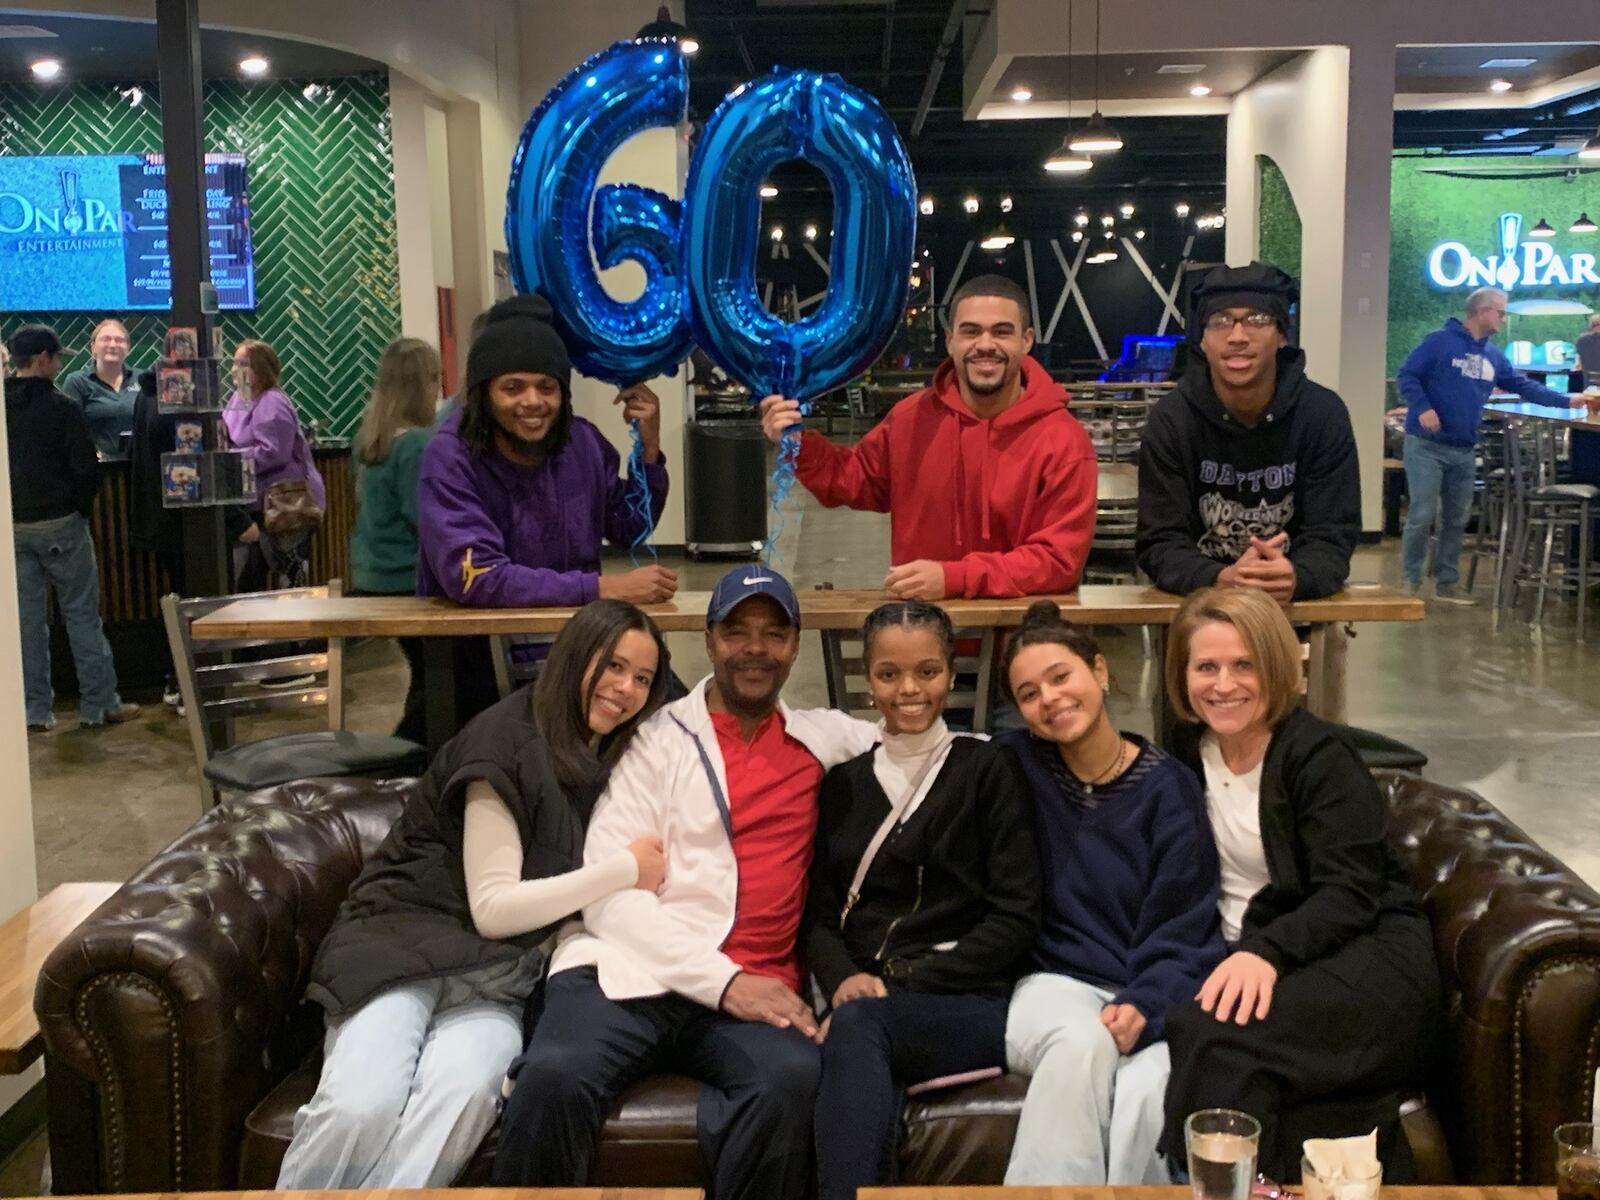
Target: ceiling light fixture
(1080, 219)
(1077, 235)
(777, 233)
(1103, 256)
(1139, 234)
(1107, 220)
(999, 239)
(769, 191)
(1542, 230)
(1065, 160)
(1199, 89)
(253, 65)
(665, 27)
(1182, 209)
(1583, 225)
(1021, 95)
(1005, 204)
(46, 68)
(1126, 209)
(1096, 137)
(1500, 85)
(133, 95)
(925, 207)
(970, 204)
(811, 233)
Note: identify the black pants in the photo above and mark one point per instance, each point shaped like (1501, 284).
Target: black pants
(754, 1117)
(413, 723)
(874, 1048)
(1346, 1038)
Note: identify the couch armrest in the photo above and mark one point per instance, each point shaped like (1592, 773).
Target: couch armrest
(158, 1013)
(1518, 940)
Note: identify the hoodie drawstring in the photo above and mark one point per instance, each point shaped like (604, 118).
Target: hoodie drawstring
(983, 475)
(958, 493)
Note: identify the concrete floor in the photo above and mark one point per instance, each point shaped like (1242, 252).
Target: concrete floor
(1514, 716)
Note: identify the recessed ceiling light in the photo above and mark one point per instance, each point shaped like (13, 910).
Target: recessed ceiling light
(689, 44)
(253, 65)
(1506, 64)
(1139, 233)
(1180, 68)
(769, 191)
(970, 204)
(926, 206)
(811, 233)
(777, 233)
(1126, 209)
(1080, 219)
(1107, 220)
(1200, 89)
(1500, 85)
(1021, 95)
(1077, 235)
(1005, 204)
(45, 68)
(1182, 209)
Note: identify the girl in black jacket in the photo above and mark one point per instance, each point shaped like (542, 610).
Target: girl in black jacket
(1322, 1018)
(924, 902)
(441, 938)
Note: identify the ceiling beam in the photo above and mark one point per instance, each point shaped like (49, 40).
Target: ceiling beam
(947, 41)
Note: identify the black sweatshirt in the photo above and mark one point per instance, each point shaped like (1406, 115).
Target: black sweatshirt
(952, 901)
(1207, 484)
(54, 472)
(1324, 830)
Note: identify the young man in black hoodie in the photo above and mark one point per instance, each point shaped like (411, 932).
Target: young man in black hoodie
(54, 478)
(1248, 474)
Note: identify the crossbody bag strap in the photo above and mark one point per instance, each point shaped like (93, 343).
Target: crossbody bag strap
(896, 812)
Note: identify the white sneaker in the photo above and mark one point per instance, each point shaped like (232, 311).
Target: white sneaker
(1454, 596)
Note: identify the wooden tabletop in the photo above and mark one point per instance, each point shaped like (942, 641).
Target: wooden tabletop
(442, 1194)
(25, 941)
(416, 616)
(1178, 1193)
(1577, 418)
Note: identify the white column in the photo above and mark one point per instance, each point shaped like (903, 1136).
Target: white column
(1325, 119)
(413, 209)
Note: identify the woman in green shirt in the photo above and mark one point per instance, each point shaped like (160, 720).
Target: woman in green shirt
(388, 454)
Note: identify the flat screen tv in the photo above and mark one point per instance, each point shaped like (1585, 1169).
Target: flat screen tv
(88, 233)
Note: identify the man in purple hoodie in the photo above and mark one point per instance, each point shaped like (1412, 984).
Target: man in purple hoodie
(516, 493)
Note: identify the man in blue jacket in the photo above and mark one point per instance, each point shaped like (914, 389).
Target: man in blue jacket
(1445, 383)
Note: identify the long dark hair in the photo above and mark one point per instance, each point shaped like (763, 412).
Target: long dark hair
(477, 427)
(910, 614)
(1042, 625)
(565, 688)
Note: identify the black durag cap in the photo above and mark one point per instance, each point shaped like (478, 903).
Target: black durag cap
(1260, 285)
(518, 336)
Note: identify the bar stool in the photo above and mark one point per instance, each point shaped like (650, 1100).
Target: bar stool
(1563, 512)
(1489, 538)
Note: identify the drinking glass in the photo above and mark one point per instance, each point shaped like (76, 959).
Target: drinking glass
(1222, 1146)
(1578, 1162)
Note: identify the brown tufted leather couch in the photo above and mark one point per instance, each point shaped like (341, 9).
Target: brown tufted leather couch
(178, 1048)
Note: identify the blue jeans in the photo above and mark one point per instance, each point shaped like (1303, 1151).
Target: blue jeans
(1440, 480)
(60, 554)
(406, 1093)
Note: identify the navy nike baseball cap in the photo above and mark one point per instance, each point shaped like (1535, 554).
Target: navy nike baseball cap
(739, 584)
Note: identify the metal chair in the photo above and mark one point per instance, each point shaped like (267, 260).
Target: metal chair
(1490, 536)
(216, 690)
(1563, 512)
(512, 671)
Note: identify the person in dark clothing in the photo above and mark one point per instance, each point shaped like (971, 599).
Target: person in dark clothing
(441, 938)
(1247, 472)
(1130, 918)
(1324, 1015)
(106, 389)
(54, 480)
(924, 902)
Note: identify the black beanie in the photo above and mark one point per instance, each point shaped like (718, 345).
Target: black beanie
(518, 336)
(1260, 285)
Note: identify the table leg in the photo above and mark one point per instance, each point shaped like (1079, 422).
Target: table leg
(1162, 719)
(439, 675)
(1325, 671)
(982, 717)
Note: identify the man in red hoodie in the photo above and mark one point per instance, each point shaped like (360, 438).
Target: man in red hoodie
(988, 481)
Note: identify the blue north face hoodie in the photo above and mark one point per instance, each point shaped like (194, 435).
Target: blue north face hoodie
(1453, 373)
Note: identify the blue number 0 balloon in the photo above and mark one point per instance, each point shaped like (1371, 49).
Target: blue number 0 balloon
(618, 92)
(843, 131)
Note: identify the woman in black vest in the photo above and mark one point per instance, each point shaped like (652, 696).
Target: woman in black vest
(441, 938)
(1321, 1019)
(924, 902)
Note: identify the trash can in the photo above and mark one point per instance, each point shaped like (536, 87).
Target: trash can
(726, 503)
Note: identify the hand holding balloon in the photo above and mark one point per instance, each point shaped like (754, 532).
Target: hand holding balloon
(641, 405)
(778, 415)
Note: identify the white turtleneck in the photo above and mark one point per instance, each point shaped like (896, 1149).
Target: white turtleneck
(900, 756)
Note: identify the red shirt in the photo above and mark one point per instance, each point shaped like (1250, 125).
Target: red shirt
(772, 799)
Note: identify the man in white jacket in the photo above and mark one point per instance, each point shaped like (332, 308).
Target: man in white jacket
(700, 977)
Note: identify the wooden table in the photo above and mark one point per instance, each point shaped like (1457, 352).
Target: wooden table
(25, 941)
(435, 620)
(1178, 1193)
(440, 1194)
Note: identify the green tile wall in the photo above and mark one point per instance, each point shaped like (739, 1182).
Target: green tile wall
(1280, 229)
(321, 171)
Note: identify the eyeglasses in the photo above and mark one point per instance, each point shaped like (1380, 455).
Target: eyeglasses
(1221, 322)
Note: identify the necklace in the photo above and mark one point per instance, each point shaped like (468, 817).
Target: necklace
(1110, 772)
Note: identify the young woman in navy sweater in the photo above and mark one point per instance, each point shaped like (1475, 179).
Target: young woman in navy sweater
(1130, 918)
(924, 902)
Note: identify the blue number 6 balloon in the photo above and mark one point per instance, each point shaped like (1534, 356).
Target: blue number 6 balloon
(786, 115)
(616, 93)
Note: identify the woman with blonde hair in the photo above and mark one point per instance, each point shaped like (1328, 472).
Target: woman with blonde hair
(388, 454)
(1321, 1019)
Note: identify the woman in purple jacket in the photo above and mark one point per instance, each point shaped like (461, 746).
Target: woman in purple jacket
(516, 493)
(261, 421)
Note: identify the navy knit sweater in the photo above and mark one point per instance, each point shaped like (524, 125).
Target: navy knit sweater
(1131, 880)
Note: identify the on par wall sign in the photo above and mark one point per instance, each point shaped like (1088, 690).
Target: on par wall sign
(1526, 264)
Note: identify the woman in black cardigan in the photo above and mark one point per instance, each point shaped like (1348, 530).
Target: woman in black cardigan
(1323, 1015)
(924, 902)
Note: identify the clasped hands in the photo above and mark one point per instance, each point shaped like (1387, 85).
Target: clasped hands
(1265, 566)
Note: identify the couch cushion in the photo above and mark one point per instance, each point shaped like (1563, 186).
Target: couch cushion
(322, 752)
